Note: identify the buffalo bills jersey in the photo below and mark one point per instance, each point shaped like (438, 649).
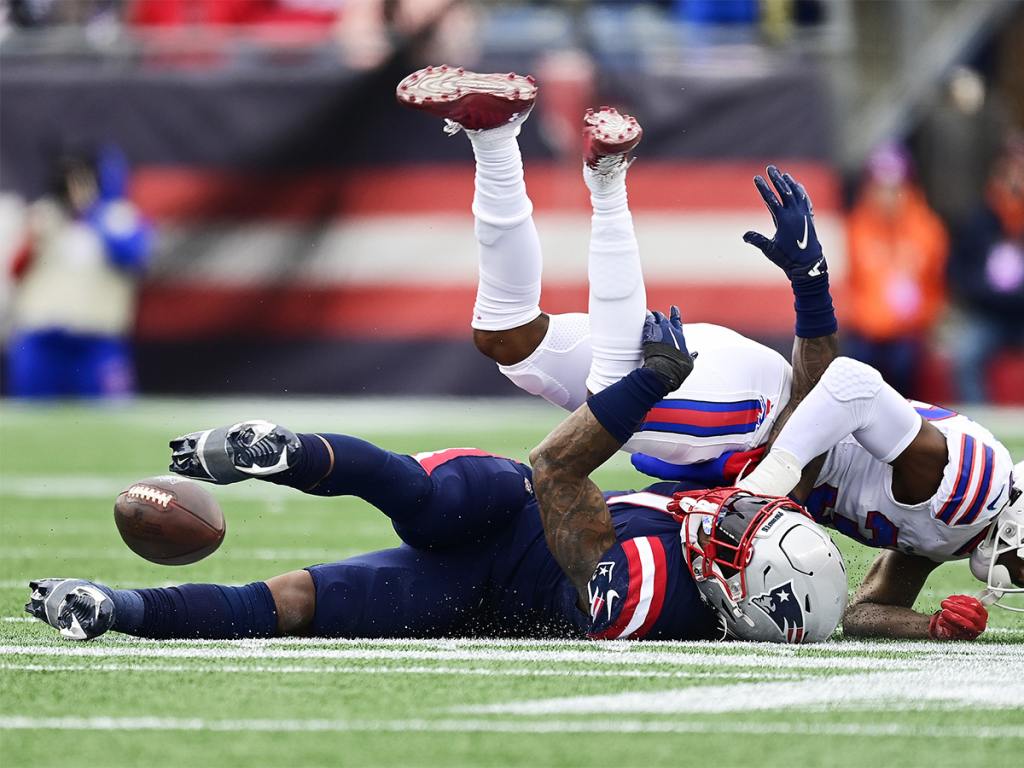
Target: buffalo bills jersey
(853, 493)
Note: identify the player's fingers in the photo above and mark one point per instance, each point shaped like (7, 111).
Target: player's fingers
(675, 317)
(758, 240)
(768, 196)
(798, 190)
(972, 610)
(784, 190)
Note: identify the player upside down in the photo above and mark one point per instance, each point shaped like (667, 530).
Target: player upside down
(482, 554)
(923, 482)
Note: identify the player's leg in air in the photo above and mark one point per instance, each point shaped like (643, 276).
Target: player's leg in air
(739, 388)
(546, 355)
(450, 509)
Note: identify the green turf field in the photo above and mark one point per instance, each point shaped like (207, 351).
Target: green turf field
(120, 701)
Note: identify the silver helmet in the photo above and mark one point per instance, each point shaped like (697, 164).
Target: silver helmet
(763, 564)
(1005, 534)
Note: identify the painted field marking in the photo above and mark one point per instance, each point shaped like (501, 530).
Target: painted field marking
(480, 725)
(621, 648)
(596, 657)
(306, 555)
(397, 670)
(947, 684)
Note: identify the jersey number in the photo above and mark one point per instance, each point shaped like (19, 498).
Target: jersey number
(881, 532)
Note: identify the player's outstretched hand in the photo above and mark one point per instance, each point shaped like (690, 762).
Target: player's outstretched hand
(962, 617)
(664, 347)
(713, 473)
(795, 247)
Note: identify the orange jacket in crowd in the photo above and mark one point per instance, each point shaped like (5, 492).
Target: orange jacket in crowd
(897, 267)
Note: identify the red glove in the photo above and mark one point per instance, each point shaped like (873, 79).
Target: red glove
(962, 618)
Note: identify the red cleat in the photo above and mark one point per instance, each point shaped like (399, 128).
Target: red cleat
(474, 101)
(608, 138)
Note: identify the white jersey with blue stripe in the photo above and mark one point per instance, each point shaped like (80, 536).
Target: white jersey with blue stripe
(853, 493)
(728, 403)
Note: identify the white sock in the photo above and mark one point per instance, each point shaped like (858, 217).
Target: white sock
(618, 299)
(510, 263)
(851, 399)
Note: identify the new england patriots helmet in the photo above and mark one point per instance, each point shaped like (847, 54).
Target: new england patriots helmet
(763, 564)
(1006, 534)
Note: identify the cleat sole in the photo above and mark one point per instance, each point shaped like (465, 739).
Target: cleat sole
(476, 101)
(607, 133)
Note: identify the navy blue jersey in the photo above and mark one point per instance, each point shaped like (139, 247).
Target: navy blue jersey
(474, 561)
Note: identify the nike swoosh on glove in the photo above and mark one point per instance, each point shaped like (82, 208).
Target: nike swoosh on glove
(962, 617)
(715, 473)
(795, 247)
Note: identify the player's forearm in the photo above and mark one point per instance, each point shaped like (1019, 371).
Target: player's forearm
(890, 621)
(577, 524)
(811, 357)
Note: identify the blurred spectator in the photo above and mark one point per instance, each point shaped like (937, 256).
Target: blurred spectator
(987, 274)
(75, 283)
(959, 139)
(897, 250)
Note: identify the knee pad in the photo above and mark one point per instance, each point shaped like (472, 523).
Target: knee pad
(488, 227)
(557, 369)
(847, 379)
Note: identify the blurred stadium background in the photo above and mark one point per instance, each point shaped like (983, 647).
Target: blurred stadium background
(310, 236)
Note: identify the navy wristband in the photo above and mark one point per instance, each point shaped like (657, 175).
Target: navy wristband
(621, 408)
(815, 315)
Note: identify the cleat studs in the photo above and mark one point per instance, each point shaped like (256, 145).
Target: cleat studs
(511, 76)
(460, 71)
(444, 67)
(427, 98)
(429, 69)
(531, 79)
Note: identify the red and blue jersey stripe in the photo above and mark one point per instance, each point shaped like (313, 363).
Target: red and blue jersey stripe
(701, 418)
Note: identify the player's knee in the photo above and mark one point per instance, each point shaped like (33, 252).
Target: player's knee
(295, 599)
(511, 346)
(848, 379)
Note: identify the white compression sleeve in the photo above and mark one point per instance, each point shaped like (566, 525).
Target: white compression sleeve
(618, 298)
(510, 264)
(851, 399)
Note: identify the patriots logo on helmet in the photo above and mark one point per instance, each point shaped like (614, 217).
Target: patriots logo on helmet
(783, 607)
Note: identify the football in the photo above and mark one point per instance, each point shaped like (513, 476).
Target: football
(169, 520)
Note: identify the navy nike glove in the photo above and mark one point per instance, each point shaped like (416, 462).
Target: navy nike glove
(664, 348)
(796, 250)
(713, 473)
(795, 247)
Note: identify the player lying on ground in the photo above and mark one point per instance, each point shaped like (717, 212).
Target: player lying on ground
(474, 560)
(734, 398)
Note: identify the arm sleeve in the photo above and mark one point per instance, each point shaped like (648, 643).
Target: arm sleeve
(627, 592)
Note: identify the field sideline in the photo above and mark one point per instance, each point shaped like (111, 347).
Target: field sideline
(296, 702)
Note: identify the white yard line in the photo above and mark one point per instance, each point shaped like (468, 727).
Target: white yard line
(946, 684)
(306, 555)
(285, 669)
(480, 725)
(596, 657)
(620, 647)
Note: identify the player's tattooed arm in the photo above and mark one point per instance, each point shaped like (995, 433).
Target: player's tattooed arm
(577, 524)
